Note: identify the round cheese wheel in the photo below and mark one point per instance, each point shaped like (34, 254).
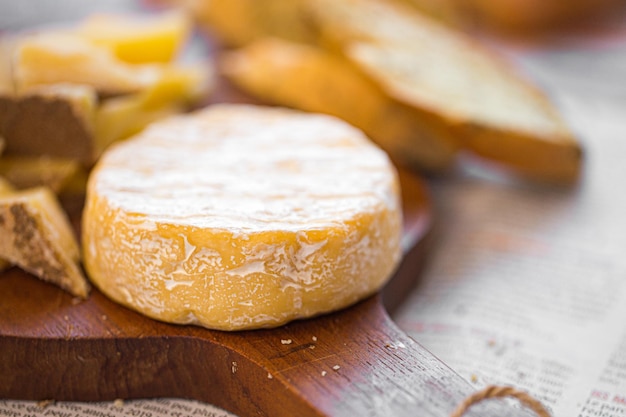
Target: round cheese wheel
(240, 217)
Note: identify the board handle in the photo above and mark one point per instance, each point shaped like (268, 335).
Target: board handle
(352, 363)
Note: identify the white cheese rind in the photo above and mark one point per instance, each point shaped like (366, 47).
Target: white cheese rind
(241, 217)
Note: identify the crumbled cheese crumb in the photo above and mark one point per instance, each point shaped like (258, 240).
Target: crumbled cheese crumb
(233, 367)
(336, 367)
(269, 376)
(323, 373)
(118, 403)
(44, 403)
(286, 341)
(395, 345)
(314, 338)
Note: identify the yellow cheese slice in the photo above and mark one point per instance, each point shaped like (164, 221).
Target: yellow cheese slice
(5, 187)
(240, 217)
(50, 58)
(33, 171)
(139, 40)
(179, 86)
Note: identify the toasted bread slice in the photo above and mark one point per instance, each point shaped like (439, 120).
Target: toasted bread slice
(238, 22)
(311, 79)
(36, 235)
(521, 18)
(492, 110)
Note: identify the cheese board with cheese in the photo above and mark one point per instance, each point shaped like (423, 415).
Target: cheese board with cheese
(354, 361)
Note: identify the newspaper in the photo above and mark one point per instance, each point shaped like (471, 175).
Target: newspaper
(161, 407)
(526, 285)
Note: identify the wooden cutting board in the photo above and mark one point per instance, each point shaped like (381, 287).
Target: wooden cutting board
(355, 362)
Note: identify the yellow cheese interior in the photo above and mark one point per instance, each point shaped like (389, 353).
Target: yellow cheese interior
(241, 217)
(120, 117)
(50, 58)
(139, 40)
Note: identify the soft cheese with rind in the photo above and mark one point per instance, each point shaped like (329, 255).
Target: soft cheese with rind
(240, 217)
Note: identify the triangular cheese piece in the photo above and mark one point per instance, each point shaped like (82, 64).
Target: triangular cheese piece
(36, 235)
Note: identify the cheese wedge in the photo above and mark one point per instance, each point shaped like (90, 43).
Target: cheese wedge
(139, 40)
(177, 89)
(50, 58)
(240, 217)
(36, 235)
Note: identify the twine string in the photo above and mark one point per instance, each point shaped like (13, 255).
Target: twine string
(494, 391)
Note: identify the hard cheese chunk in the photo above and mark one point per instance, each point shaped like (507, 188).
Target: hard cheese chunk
(240, 217)
(36, 235)
(53, 120)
